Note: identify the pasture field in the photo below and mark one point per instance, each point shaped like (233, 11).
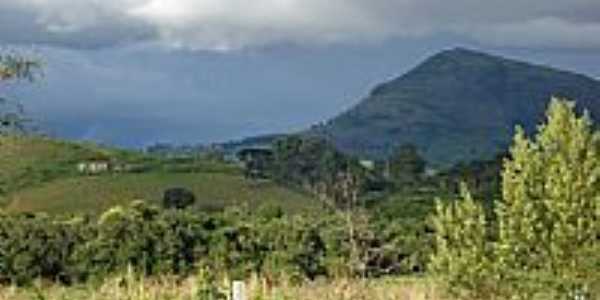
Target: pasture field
(40, 175)
(98, 193)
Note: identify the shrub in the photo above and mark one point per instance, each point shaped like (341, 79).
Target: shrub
(152, 241)
(178, 198)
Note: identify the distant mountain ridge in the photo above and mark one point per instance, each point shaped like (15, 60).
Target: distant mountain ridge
(458, 105)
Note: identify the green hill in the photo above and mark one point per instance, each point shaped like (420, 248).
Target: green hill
(457, 105)
(28, 161)
(94, 194)
(40, 175)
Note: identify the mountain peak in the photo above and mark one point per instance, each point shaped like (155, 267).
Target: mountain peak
(457, 62)
(459, 104)
(460, 57)
(460, 52)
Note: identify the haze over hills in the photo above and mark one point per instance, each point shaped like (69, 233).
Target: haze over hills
(457, 105)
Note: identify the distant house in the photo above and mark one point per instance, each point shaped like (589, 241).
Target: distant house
(101, 165)
(94, 167)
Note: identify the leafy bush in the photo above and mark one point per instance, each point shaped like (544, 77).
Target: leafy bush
(35, 247)
(178, 198)
(152, 241)
(308, 162)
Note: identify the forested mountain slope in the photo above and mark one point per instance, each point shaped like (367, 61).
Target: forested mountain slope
(457, 105)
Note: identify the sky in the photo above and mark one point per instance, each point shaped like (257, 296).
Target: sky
(134, 72)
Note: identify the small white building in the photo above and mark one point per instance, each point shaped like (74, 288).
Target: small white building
(93, 167)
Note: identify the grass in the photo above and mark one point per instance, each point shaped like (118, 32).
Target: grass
(25, 159)
(39, 175)
(94, 194)
(29, 161)
(256, 289)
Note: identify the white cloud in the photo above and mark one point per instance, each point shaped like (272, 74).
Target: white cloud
(232, 24)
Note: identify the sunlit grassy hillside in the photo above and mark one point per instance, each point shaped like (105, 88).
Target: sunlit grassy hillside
(94, 194)
(40, 175)
(28, 161)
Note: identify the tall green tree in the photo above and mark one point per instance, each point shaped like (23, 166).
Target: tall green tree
(462, 257)
(308, 161)
(406, 165)
(545, 236)
(549, 216)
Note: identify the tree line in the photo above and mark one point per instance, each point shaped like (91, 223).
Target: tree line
(240, 242)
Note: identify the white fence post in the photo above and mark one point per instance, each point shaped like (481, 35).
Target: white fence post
(238, 290)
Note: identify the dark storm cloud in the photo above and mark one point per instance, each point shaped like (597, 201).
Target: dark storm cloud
(135, 96)
(282, 78)
(75, 24)
(234, 24)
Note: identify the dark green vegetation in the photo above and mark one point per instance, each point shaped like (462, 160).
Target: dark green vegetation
(154, 241)
(307, 162)
(316, 165)
(458, 105)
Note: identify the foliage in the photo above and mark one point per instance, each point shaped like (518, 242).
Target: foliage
(482, 178)
(257, 162)
(406, 165)
(178, 198)
(306, 161)
(544, 240)
(239, 242)
(403, 221)
(315, 165)
(461, 255)
(550, 213)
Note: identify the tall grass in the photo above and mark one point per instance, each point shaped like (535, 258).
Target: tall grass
(129, 287)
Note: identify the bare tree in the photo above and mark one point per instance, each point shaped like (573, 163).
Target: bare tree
(15, 67)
